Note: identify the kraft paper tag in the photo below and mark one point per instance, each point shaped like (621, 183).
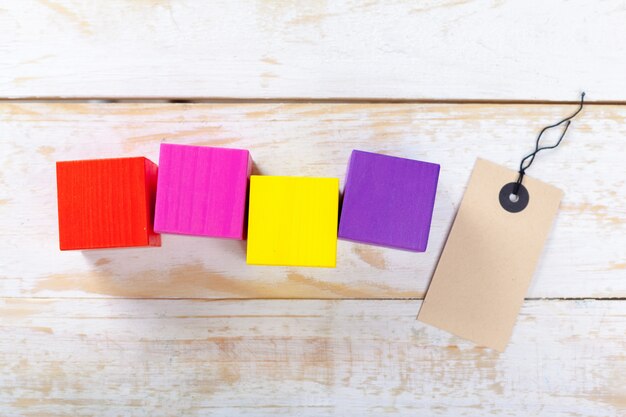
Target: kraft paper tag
(489, 258)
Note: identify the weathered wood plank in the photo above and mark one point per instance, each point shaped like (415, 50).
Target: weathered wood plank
(305, 358)
(449, 49)
(585, 255)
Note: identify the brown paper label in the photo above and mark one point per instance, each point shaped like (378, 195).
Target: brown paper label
(489, 258)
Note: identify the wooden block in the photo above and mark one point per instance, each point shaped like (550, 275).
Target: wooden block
(293, 221)
(202, 191)
(388, 201)
(106, 203)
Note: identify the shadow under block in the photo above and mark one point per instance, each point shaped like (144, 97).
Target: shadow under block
(106, 203)
(293, 221)
(388, 201)
(202, 191)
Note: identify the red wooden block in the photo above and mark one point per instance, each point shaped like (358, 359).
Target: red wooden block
(106, 203)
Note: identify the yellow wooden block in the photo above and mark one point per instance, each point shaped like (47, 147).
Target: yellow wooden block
(293, 221)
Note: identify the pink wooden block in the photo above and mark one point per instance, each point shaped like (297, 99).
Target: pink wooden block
(202, 191)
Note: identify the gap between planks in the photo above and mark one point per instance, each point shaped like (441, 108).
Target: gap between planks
(285, 100)
(292, 299)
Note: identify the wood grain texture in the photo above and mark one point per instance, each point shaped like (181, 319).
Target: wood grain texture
(585, 255)
(63, 354)
(451, 49)
(304, 358)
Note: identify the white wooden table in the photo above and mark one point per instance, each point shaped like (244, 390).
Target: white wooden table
(189, 328)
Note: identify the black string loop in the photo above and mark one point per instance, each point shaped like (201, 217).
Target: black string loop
(528, 160)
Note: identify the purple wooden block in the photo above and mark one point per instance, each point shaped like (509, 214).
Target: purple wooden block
(388, 201)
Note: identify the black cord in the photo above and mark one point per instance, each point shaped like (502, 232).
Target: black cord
(524, 165)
